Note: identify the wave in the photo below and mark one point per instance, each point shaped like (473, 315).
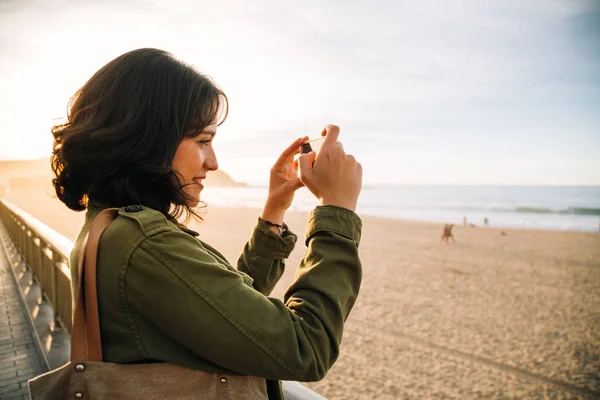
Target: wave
(536, 210)
(570, 210)
(395, 201)
(503, 208)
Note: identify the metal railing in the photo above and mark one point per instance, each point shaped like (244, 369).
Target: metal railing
(47, 254)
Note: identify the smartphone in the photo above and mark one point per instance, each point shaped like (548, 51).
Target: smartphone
(306, 147)
(312, 145)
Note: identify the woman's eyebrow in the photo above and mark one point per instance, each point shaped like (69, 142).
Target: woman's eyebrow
(207, 132)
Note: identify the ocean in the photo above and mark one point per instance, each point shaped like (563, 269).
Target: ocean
(574, 208)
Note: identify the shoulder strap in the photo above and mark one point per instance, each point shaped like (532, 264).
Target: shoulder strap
(85, 335)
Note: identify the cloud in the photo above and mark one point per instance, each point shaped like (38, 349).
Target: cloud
(468, 76)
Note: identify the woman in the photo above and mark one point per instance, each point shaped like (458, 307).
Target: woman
(139, 137)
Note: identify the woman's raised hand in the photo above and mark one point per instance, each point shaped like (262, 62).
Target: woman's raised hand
(284, 180)
(335, 178)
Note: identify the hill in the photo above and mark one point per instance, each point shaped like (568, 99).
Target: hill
(37, 174)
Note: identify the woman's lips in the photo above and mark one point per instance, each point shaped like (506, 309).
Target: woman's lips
(198, 181)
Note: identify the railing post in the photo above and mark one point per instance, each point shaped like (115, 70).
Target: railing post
(38, 248)
(46, 268)
(29, 247)
(23, 246)
(22, 228)
(57, 260)
(12, 227)
(63, 307)
(49, 285)
(18, 234)
(13, 231)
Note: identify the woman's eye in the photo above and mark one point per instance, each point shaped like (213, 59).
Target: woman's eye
(205, 142)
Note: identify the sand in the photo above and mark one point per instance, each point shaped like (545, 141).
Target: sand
(490, 316)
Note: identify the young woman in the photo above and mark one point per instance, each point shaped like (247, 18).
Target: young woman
(138, 136)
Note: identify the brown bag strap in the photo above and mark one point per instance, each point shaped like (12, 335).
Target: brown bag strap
(85, 335)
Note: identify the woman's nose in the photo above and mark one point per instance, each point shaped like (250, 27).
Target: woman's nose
(210, 163)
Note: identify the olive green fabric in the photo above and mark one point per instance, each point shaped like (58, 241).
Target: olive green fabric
(165, 295)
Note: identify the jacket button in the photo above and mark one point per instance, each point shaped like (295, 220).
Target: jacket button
(223, 380)
(133, 208)
(80, 367)
(79, 395)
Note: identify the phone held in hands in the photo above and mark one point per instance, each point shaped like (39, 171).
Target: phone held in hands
(312, 145)
(306, 147)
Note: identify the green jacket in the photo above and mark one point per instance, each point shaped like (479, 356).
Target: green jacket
(165, 295)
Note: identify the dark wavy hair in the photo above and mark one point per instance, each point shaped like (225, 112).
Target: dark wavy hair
(122, 130)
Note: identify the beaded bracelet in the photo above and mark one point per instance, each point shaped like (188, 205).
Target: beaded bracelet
(282, 228)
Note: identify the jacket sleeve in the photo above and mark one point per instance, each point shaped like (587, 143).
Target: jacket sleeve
(263, 257)
(210, 310)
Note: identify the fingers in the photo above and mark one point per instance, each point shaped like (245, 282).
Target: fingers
(331, 133)
(290, 151)
(305, 162)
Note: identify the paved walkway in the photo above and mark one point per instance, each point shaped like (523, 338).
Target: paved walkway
(19, 355)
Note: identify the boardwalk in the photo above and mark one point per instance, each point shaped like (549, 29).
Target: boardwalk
(20, 358)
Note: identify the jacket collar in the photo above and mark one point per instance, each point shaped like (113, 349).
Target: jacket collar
(95, 208)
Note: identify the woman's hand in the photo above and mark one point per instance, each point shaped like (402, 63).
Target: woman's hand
(283, 184)
(333, 176)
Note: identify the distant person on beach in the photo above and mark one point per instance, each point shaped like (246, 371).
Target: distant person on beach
(139, 138)
(465, 220)
(447, 233)
(486, 221)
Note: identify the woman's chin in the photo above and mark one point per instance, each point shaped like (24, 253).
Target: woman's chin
(193, 203)
(193, 198)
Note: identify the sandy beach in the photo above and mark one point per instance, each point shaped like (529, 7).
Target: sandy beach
(490, 316)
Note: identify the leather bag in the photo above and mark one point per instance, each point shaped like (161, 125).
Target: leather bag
(86, 376)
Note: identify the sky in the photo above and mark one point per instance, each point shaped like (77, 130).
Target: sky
(425, 92)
